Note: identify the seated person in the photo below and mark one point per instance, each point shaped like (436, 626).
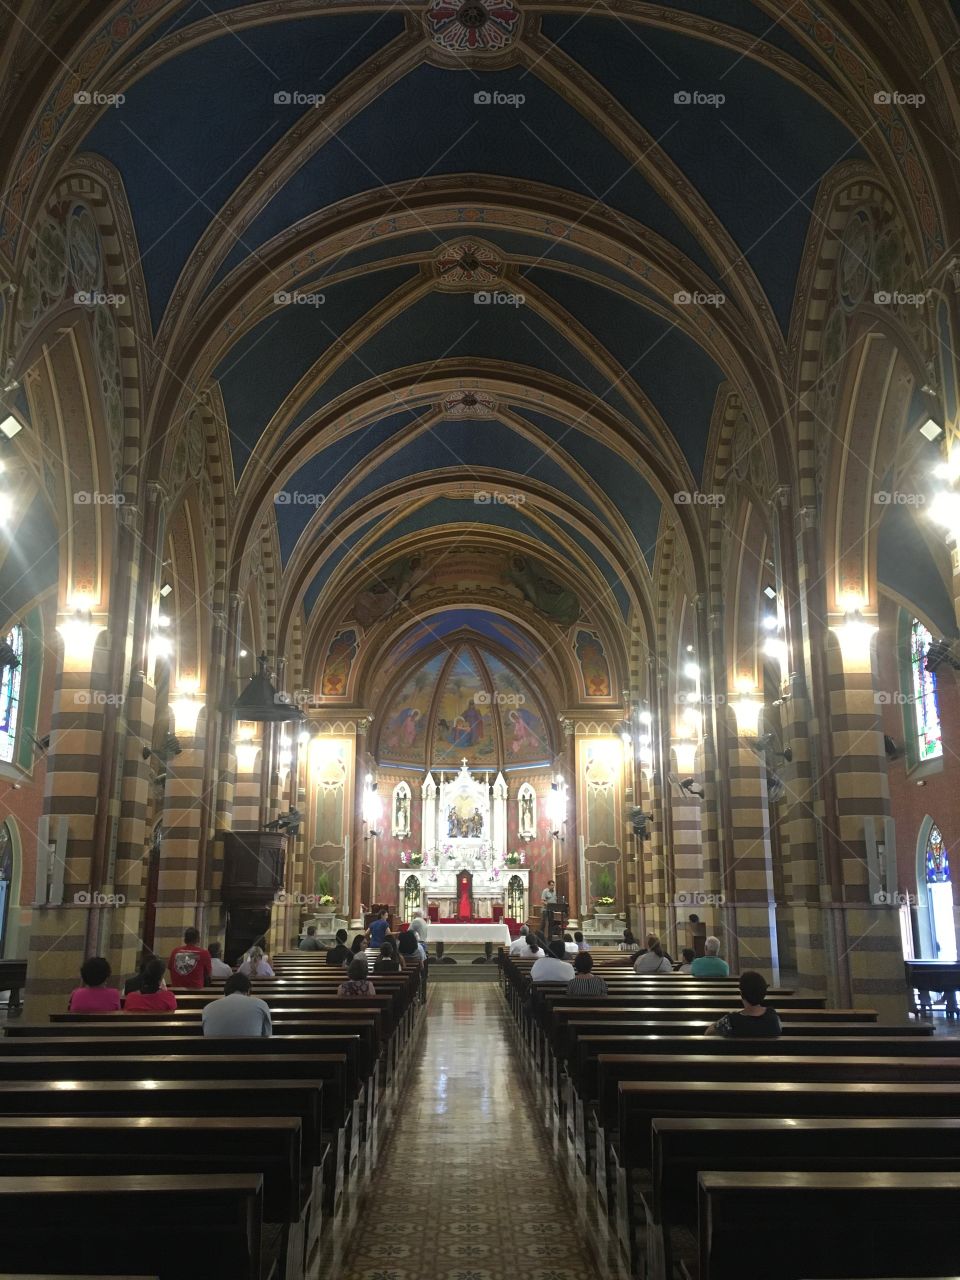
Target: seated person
(629, 942)
(654, 959)
(586, 982)
(133, 984)
(309, 941)
(419, 926)
(386, 961)
(755, 1019)
(341, 953)
(359, 944)
(553, 967)
(189, 963)
(219, 969)
(710, 964)
(653, 938)
(357, 983)
(581, 944)
(570, 945)
(256, 965)
(518, 946)
(237, 1012)
(410, 951)
(152, 996)
(94, 996)
(688, 955)
(534, 951)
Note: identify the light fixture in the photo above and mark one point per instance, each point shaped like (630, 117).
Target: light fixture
(626, 739)
(776, 648)
(747, 707)
(945, 511)
(691, 671)
(950, 469)
(645, 717)
(557, 807)
(854, 635)
(689, 648)
(165, 590)
(770, 592)
(930, 424)
(163, 620)
(6, 508)
(372, 807)
(10, 427)
(770, 621)
(243, 653)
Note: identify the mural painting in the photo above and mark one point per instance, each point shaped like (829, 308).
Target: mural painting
(405, 727)
(338, 664)
(594, 667)
(464, 725)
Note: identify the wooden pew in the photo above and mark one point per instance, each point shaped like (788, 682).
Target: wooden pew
(122, 1145)
(804, 1226)
(122, 1226)
(683, 1148)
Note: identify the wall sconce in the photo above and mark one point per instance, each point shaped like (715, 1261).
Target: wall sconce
(186, 705)
(79, 634)
(557, 807)
(747, 708)
(854, 635)
(372, 807)
(685, 753)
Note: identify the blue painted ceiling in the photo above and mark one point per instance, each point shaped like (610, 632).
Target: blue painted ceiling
(195, 127)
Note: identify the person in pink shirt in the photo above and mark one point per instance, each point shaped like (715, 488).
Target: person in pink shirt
(95, 996)
(153, 996)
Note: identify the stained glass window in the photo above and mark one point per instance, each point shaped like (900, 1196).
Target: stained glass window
(938, 863)
(10, 694)
(929, 745)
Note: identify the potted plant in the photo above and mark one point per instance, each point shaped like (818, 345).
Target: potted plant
(416, 858)
(514, 858)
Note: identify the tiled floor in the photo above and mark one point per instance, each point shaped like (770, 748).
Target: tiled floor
(467, 1187)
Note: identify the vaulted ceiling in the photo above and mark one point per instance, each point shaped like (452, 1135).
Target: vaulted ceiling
(438, 259)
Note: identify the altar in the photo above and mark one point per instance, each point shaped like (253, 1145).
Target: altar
(462, 868)
(475, 934)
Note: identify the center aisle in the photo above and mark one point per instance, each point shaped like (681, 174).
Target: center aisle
(466, 1187)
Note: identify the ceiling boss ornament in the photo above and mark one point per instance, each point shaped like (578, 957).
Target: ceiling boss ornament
(472, 26)
(469, 404)
(468, 264)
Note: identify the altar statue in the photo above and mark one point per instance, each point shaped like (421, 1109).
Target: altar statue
(453, 824)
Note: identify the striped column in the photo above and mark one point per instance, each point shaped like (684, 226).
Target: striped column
(65, 896)
(179, 901)
(750, 905)
(132, 830)
(866, 928)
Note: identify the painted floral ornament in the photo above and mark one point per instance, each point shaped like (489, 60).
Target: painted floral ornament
(472, 26)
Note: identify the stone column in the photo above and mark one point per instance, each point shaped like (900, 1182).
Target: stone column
(357, 833)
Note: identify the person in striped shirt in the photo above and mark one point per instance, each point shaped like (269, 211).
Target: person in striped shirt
(586, 982)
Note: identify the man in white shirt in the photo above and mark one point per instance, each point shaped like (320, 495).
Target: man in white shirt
(519, 945)
(238, 1013)
(419, 926)
(553, 967)
(219, 970)
(569, 945)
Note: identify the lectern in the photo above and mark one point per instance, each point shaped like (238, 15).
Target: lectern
(253, 864)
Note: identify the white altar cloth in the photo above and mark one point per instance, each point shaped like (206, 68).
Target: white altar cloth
(454, 932)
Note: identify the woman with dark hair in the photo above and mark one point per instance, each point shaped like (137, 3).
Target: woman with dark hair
(586, 983)
(357, 983)
(653, 959)
(359, 944)
(153, 996)
(409, 949)
(386, 962)
(629, 942)
(94, 996)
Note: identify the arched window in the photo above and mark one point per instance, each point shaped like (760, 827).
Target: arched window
(10, 672)
(938, 863)
(926, 713)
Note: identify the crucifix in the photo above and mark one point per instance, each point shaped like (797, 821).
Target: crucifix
(464, 761)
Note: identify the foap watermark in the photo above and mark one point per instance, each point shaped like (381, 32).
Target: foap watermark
(485, 498)
(96, 98)
(484, 699)
(897, 298)
(695, 898)
(294, 698)
(87, 899)
(97, 698)
(894, 98)
(894, 898)
(494, 98)
(683, 298)
(694, 98)
(896, 498)
(295, 98)
(294, 298)
(690, 698)
(696, 498)
(283, 898)
(893, 698)
(94, 498)
(497, 298)
(297, 498)
(97, 298)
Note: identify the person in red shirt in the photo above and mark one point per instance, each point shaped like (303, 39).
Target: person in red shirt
(190, 965)
(153, 996)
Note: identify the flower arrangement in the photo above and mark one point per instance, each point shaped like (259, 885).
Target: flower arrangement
(514, 858)
(416, 858)
(326, 900)
(604, 902)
